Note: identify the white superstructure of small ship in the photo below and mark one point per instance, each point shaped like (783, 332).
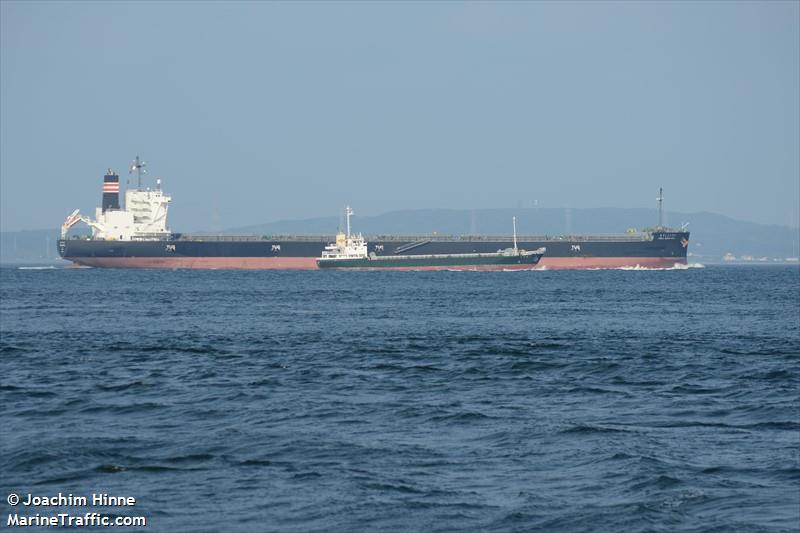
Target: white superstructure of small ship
(144, 216)
(347, 245)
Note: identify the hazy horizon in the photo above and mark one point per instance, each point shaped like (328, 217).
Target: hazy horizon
(672, 219)
(258, 112)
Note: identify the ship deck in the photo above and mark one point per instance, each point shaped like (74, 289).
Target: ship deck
(635, 237)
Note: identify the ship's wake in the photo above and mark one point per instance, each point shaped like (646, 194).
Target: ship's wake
(676, 266)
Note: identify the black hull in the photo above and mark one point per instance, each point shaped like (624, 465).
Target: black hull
(663, 249)
(435, 262)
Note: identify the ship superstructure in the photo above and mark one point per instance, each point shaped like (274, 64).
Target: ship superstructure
(143, 217)
(347, 245)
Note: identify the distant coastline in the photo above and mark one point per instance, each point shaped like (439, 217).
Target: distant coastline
(715, 239)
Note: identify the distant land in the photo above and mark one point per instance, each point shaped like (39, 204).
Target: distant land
(715, 238)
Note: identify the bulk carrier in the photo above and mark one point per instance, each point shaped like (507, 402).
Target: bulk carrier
(137, 236)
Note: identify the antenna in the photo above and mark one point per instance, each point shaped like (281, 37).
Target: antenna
(660, 200)
(514, 221)
(348, 212)
(138, 166)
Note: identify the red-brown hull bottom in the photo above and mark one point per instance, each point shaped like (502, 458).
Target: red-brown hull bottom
(310, 263)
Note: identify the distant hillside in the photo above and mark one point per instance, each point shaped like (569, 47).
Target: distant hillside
(32, 246)
(713, 235)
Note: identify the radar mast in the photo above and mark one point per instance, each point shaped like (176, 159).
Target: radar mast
(660, 199)
(138, 166)
(348, 213)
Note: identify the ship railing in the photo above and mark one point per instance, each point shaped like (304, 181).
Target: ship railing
(509, 238)
(151, 237)
(230, 238)
(635, 237)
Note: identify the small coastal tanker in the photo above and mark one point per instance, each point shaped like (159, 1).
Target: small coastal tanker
(136, 236)
(349, 252)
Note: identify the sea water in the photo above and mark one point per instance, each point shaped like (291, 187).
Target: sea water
(316, 401)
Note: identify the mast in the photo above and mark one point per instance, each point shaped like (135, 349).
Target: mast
(660, 200)
(514, 221)
(348, 212)
(138, 166)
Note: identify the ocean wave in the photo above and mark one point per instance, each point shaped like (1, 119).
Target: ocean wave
(676, 266)
(489, 403)
(586, 429)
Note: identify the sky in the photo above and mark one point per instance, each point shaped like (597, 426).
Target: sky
(258, 111)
